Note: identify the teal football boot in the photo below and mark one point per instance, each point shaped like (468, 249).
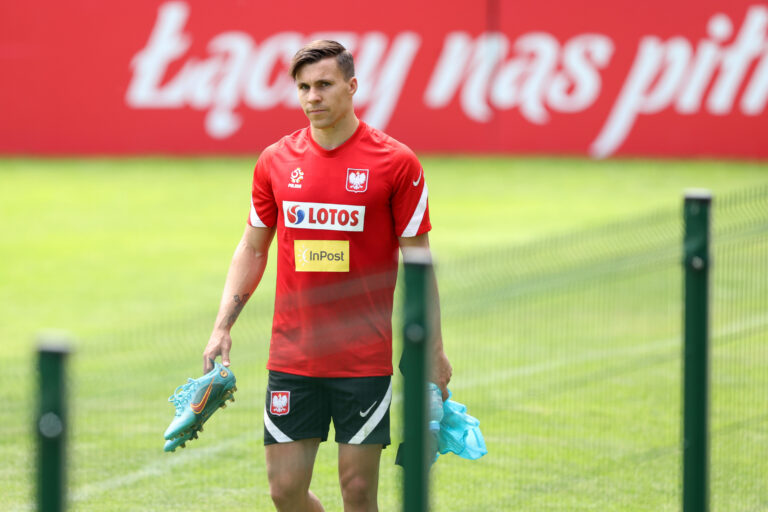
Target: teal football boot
(180, 440)
(195, 402)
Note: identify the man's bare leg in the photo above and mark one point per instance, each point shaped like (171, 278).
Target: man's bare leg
(359, 476)
(289, 469)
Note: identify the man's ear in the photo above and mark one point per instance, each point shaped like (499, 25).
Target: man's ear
(352, 85)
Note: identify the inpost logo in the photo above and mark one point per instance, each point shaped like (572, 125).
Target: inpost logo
(321, 255)
(332, 217)
(310, 255)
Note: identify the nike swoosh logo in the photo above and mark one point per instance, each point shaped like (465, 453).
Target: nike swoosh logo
(416, 183)
(363, 414)
(199, 406)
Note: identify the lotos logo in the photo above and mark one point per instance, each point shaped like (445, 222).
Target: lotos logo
(332, 217)
(294, 215)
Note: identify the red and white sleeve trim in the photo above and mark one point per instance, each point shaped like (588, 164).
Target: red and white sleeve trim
(253, 218)
(412, 229)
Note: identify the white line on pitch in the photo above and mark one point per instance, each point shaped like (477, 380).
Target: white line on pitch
(157, 468)
(599, 355)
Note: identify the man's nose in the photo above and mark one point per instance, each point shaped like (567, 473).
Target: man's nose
(313, 95)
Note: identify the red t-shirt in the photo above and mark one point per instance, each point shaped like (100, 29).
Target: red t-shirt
(339, 214)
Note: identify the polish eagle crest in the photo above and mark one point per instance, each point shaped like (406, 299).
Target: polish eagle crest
(357, 180)
(280, 402)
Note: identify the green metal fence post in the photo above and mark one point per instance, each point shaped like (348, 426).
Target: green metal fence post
(51, 425)
(697, 261)
(416, 332)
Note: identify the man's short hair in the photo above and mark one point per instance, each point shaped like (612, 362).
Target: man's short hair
(323, 49)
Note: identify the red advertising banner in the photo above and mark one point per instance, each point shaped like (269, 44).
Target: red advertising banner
(598, 78)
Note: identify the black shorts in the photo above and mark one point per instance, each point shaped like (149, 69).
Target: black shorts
(299, 407)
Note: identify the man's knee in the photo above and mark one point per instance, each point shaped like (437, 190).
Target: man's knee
(289, 470)
(359, 491)
(285, 491)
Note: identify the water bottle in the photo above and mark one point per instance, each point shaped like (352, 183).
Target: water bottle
(435, 400)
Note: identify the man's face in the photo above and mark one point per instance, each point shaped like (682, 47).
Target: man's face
(324, 94)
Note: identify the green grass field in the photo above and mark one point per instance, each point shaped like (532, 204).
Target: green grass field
(571, 365)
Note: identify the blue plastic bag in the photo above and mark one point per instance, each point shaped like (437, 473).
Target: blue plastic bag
(460, 432)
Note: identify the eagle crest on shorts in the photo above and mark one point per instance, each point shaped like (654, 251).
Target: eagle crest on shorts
(280, 403)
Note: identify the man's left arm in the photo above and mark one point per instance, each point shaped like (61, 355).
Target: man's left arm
(441, 369)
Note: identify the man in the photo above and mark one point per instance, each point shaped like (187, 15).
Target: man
(342, 197)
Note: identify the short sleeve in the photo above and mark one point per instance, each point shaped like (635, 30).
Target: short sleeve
(410, 207)
(263, 206)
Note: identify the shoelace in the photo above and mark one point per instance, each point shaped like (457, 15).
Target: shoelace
(180, 398)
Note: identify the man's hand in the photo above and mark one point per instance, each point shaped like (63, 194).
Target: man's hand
(441, 372)
(218, 345)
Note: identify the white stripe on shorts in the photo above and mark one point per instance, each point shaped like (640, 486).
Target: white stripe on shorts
(375, 419)
(273, 430)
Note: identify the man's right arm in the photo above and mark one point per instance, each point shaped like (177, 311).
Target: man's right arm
(244, 274)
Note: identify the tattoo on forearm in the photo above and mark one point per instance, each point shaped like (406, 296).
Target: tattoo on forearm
(239, 305)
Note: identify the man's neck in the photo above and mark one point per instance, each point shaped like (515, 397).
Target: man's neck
(334, 136)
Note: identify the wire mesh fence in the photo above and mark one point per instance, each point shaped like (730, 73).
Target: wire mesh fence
(574, 366)
(568, 351)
